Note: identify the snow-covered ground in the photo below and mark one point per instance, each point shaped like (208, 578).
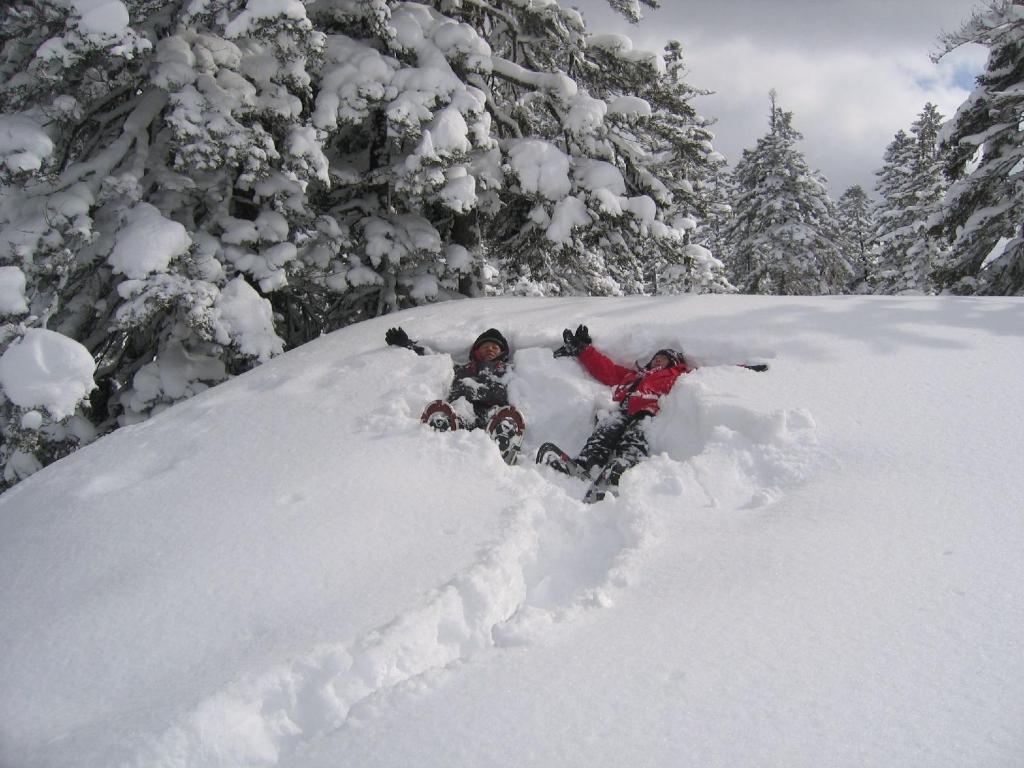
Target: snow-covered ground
(822, 565)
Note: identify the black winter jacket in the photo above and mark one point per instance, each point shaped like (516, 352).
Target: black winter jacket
(481, 383)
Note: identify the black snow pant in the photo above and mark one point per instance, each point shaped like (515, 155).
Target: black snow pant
(618, 442)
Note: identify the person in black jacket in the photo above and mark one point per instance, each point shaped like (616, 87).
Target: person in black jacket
(481, 380)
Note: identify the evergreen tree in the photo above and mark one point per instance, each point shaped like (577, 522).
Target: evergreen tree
(911, 184)
(631, 8)
(856, 229)
(681, 174)
(188, 188)
(983, 212)
(707, 238)
(619, 145)
(892, 213)
(784, 232)
(717, 194)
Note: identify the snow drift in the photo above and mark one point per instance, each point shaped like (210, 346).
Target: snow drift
(818, 565)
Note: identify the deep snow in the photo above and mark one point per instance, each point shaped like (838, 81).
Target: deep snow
(821, 565)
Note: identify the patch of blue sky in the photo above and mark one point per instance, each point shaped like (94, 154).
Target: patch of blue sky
(960, 67)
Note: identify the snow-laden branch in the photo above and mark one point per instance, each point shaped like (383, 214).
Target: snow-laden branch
(133, 134)
(559, 84)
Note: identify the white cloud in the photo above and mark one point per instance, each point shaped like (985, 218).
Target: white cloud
(848, 103)
(852, 73)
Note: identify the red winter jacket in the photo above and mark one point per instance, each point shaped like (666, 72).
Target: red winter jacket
(638, 390)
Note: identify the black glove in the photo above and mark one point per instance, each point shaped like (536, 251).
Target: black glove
(574, 343)
(760, 367)
(396, 337)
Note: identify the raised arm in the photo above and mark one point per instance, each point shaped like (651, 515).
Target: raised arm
(603, 368)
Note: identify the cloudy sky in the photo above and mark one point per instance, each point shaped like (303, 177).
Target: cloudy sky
(853, 72)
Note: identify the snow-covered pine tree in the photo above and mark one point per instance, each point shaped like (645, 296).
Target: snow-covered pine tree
(894, 220)
(929, 251)
(983, 211)
(713, 190)
(784, 230)
(631, 8)
(412, 156)
(600, 144)
(911, 184)
(678, 146)
(126, 230)
(856, 229)
(189, 187)
(530, 220)
(78, 125)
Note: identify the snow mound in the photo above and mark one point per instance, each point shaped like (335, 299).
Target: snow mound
(549, 562)
(248, 320)
(541, 167)
(12, 291)
(738, 456)
(102, 18)
(147, 242)
(48, 370)
(552, 558)
(289, 569)
(23, 144)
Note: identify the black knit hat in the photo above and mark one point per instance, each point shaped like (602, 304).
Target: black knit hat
(491, 334)
(674, 357)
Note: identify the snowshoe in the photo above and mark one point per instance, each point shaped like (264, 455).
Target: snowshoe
(440, 416)
(607, 481)
(551, 455)
(506, 427)
(598, 490)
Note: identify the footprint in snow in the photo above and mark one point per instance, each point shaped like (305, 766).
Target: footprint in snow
(552, 559)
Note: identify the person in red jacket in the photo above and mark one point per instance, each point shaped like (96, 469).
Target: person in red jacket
(619, 442)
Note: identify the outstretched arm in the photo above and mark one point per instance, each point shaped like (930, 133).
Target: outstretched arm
(579, 344)
(759, 367)
(603, 368)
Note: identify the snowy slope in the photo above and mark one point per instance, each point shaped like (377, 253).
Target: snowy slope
(821, 565)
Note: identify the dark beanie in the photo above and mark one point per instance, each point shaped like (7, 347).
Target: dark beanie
(675, 358)
(491, 334)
